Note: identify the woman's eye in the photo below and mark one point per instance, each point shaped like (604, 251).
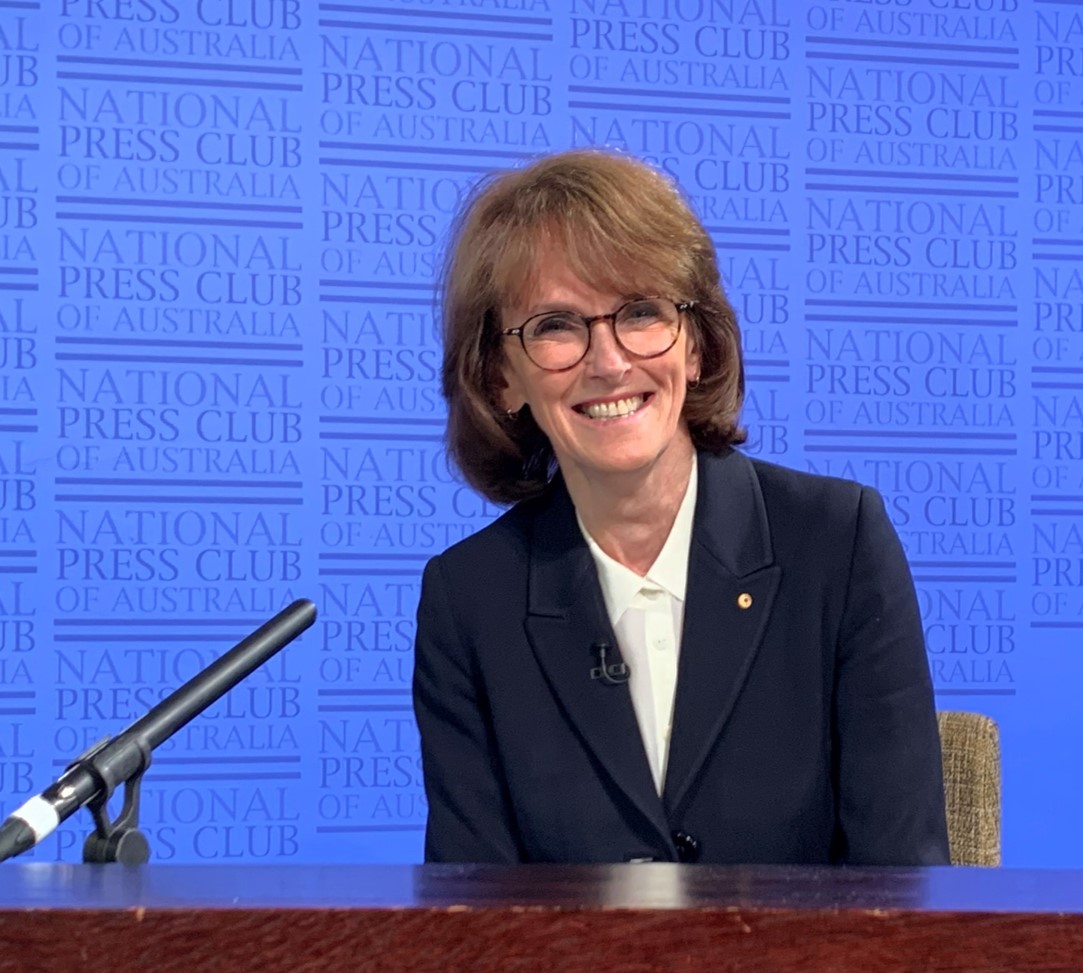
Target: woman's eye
(556, 324)
(641, 310)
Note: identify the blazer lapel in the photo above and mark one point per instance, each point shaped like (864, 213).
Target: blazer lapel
(731, 587)
(566, 616)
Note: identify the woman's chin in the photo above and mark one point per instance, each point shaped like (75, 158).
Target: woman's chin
(633, 458)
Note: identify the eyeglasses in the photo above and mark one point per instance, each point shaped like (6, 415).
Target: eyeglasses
(559, 340)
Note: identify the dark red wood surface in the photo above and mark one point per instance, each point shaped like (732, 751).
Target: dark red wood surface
(625, 919)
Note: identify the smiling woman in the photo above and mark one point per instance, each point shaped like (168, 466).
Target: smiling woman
(536, 237)
(665, 650)
(604, 408)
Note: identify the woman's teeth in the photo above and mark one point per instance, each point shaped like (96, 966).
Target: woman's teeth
(613, 410)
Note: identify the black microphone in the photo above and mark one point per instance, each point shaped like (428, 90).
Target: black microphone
(615, 673)
(95, 774)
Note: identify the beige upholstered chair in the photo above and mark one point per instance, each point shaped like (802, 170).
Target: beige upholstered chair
(970, 745)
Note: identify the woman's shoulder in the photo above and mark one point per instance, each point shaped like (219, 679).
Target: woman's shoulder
(782, 484)
(806, 508)
(506, 537)
(801, 505)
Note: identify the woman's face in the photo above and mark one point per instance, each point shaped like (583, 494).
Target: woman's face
(649, 393)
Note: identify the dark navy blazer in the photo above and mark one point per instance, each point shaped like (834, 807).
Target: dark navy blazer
(804, 728)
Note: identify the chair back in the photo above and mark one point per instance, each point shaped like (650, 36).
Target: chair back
(970, 746)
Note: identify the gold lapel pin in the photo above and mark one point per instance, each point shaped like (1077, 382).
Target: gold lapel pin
(744, 600)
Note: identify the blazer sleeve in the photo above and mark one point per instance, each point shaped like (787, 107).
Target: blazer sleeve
(889, 780)
(469, 814)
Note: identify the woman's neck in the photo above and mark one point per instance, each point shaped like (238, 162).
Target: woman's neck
(630, 515)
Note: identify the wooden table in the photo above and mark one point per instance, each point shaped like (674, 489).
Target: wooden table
(545, 918)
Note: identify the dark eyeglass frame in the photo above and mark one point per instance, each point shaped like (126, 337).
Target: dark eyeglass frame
(681, 307)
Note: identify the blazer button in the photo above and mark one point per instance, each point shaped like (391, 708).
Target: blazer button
(687, 846)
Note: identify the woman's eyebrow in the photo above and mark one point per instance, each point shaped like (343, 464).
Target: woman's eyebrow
(545, 306)
(556, 305)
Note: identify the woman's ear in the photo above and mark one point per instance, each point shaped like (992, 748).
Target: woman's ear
(691, 361)
(510, 397)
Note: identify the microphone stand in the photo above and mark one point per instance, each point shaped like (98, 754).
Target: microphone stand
(93, 777)
(119, 840)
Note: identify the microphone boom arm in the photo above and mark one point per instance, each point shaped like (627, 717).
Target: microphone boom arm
(92, 778)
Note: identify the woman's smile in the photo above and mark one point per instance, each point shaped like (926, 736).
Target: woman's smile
(609, 409)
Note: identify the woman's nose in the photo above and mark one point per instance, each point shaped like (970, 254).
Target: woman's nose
(605, 357)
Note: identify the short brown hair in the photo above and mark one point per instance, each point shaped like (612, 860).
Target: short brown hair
(619, 224)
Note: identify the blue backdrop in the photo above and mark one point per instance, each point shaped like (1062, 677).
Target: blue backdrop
(218, 353)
